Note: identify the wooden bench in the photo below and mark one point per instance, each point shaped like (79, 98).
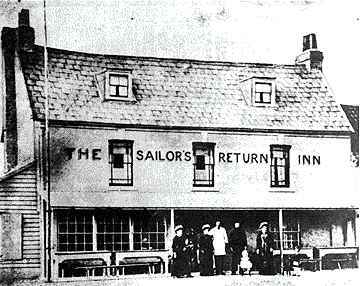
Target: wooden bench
(82, 267)
(339, 260)
(315, 264)
(148, 261)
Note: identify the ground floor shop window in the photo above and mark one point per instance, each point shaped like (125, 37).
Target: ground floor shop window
(110, 231)
(75, 232)
(113, 233)
(149, 233)
(291, 236)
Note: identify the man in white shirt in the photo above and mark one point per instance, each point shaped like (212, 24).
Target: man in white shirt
(220, 240)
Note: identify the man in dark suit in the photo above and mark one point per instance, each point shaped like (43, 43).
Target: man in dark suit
(205, 252)
(237, 243)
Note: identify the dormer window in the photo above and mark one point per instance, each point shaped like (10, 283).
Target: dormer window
(118, 86)
(263, 92)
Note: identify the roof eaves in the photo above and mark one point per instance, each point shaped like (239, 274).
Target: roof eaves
(169, 59)
(17, 170)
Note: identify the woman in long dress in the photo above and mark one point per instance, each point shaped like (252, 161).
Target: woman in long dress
(264, 249)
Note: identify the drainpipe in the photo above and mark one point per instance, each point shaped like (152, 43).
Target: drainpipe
(47, 143)
(281, 241)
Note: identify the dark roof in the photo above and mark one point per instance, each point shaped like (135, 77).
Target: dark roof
(181, 93)
(352, 113)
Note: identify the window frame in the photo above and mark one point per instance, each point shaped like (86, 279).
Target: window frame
(126, 74)
(142, 228)
(67, 218)
(211, 177)
(112, 219)
(286, 151)
(288, 232)
(271, 82)
(94, 219)
(129, 181)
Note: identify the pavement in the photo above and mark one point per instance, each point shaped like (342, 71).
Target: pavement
(345, 277)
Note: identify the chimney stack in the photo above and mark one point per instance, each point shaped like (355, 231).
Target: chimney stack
(311, 57)
(26, 34)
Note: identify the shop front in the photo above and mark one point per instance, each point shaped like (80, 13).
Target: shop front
(120, 241)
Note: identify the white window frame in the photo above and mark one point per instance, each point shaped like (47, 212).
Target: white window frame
(288, 234)
(263, 81)
(130, 96)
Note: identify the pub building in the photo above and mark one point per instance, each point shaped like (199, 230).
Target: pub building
(138, 145)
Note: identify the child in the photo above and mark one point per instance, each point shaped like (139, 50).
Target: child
(296, 262)
(245, 263)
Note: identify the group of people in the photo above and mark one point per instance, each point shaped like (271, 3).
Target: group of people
(212, 246)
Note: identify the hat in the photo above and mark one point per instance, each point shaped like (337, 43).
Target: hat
(205, 226)
(178, 227)
(263, 224)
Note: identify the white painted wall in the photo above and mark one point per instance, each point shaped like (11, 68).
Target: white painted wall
(165, 184)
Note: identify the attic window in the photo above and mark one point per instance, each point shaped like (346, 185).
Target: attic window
(263, 92)
(118, 86)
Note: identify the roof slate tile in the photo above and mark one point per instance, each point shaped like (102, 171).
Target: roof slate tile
(181, 93)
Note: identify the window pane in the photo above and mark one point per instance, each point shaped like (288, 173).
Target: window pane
(263, 87)
(71, 228)
(80, 228)
(62, 227)
(200, 162)
(62, 238)
(123, 91)
(266, 97)
(114, 80)
(113, 91)
(118, 160)
(123, 81)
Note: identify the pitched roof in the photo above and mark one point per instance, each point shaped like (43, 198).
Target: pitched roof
(352, 113)
(181, 93)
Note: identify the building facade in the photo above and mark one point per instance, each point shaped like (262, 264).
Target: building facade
(140, 144)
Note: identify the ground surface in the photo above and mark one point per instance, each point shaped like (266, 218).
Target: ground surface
(327, 277)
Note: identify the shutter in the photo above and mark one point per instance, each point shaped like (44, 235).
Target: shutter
(11, 236)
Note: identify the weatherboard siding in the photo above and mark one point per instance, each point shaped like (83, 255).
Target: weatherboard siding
(18, 195)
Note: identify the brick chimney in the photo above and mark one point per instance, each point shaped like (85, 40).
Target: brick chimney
(311, 57)
(25, 34)
(13, 41)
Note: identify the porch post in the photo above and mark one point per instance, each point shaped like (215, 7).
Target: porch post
(172, 223)
(171, 234)
(357, 231)
(281, 241)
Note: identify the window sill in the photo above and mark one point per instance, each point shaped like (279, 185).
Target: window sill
(122, 189)
(113, 98)
(205, 189)
(281, 190)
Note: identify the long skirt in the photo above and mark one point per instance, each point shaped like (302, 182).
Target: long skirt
(206, 264)
(180, 266)
(266, 265)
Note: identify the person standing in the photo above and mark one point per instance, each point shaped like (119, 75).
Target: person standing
(237, 243)
(205, 252)
(220, 240)
(264, 249)
(180, 254)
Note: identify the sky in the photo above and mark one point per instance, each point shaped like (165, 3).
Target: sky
(226, 30)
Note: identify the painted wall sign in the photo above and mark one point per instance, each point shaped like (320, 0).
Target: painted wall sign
(183, 155)
(159, 155)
